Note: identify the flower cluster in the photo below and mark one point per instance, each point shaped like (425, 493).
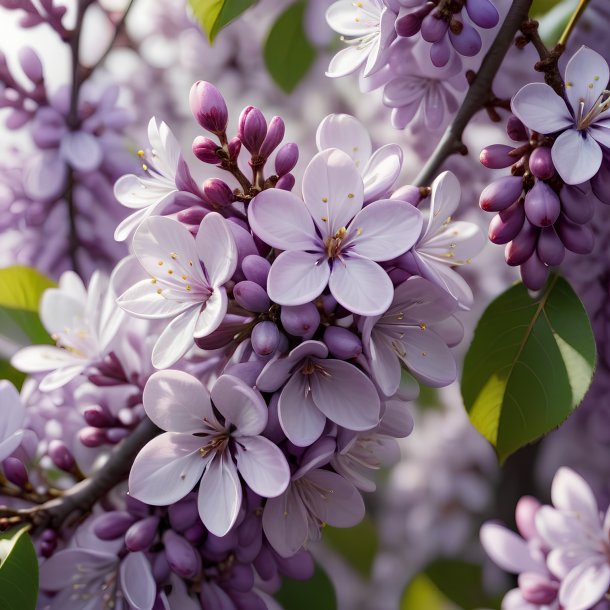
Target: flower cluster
(562, 554)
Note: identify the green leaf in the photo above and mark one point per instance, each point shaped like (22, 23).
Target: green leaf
(318, 593)
(288, 52)
(12, 374)
(357, 545)
(529, 365)
(213, 15)
(20, 292)
(542, 7)
(18, 571)
(421, 593)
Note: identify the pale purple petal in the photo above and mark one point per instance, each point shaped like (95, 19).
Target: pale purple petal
(312, 271)
(60, 310)
(212, 313)
(176, 339)
(137, 581)
(508, 550)
(557, 528)
(571, 493)
(58, 378)
(44, 176)
(513, 600)
(262, 466)
(421, 301)
(381, 171)
(81, 150)
(586, 584)
(10, 442)
(577, 157)
(346, 133)
(456, 245)
(143, 300)
(347, 61)
(445, 199)
(167, 468)
(216, 248)
(361, 286)
(220, 494)
(541, 109)
(586, 77)
(39, 358)
(58, 571)
(342, 15)
(600, 132)
(385, 364)
(285, 522)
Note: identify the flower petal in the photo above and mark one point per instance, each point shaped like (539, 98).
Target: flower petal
(216, 248)
(346, 133)
(344, 18)
(347, 61)
(385, 364)
(586, 584)
(40, 358)
(176, 339)
(382, 171)
(445, 199)
(541, 109)
(212, 313)
(262, 466)
(81, 150)
(137, 581)
(576, 155)
(285, 523)
(586, 77)
(508, 550)
(44, 176)
(143, 300)
(571, 493)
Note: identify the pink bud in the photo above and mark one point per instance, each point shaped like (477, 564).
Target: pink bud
(234, 148)
(408, 193)
(217, 193)
(205, 150)
(433, 28)
(534, 272)
(525, 516)
(252, 129)
(275, 134)
(192, 216)
(15, 471)
(507, 224)
(62, 457)
(208, 107)
(92, 437)
(538, 589)
(286, 158)
(542, 206)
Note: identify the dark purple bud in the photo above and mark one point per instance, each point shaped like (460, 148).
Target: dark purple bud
(507, 224)
(298, 567)
(497, 156)
(516, 129)
(183, 514)
(410, 24)
(92, 437)
(286, 158)
(433, 27)
(342, 343)
(501, 193)
(31, 64)
(241, 578)
(542, 206)
(17, 119)
(49, 535)
(467, 42)
(523, 245)
(221, 544)
(115, 435)
(550, 249)
(15, 471)
(113, 525)
(576, 238)
(182, 557)
(160, 568)
(525, 516)
(538, 589)
(409, 194)
(208, 107)
(205, 150)
(265, 337)
(251, 296)
(440, 52)
(61, 456)
(191, 216)
(195, 533)
(275, 134)
(577, 203)
(483, 13)
(234, 148)
(252, 129)
(136, 507)
(217, 193)
(286, 182)
(541, 164)
(265, 564)
(46, 549)
(534, 272)
(300, 320)
(142, 534)
(98, 417)
(256, 269)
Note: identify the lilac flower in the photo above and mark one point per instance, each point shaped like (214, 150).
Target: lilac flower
(379, 170)
(582, 124)
(405, 332)
(332, 239)
(167, 176)
(180, 288)
(316, 388)
(13, 419)
(198, 448)
(83, 322)
(369, 26)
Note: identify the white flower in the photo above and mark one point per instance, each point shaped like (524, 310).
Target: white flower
(11, 422)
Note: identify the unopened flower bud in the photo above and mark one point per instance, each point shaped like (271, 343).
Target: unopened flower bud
(542, 206)
(433, 28)
(468, 42)
(252, 129)
(577, 203)
(160, 568)
(217, 193)
(516, 129)
(191, 216)
(195, 533)
(234, 148)
(182, 557)
(275, 134)
(483, 13)
(183, 514)
(241, 578)
(265, 337)
(256, 269)
(576, 238)
(205, 150)
(208, 107)
(61, 456)
(300, 320)
(409, 194)
(286, 158)
(298, 567)
(113, 525)
(525, 516)
(286, 182)
(251, 296)
(411, 23)
(534, 272)
(541, 163)
(501, 193)
(538, 589)
(550, 249)
(116, 435)
(15, 471)
(31, 64)
(523, 245)
(92, 437)
(342, 343)
(506, 225)
(97, 417)
(497, 156)
(142, 534)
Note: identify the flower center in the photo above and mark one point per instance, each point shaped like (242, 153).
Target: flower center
(332, 245)
(601, 104)
(217, 443)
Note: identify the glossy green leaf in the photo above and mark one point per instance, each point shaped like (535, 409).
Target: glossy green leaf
(529, 365)
(288, 52)
(213, 15)
(357, 545)
(18, 571)
(20, 291)
(318, 593)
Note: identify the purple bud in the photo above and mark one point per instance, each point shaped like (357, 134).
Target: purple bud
(136, 507)
(46, 549)
(534, 272)
(286, 158)
(208, 107)
(409, 194)
(31, 64)
(234, 148)
(497, 156)
(256, 269)
(62, 457)
(342, 343)
(183, 514)
(550, 249)
(113, 525)
(538, 589)
(507, 224)
(97, 417)
(15, 471)
(411, 23)
(523, 245)
(191, 216)
(541, 164)
(298, 567)
(252, 129)
(433, 27)
(265, 564)
(17, 119)
(525, 516)
(501, 193)
(467, 42)
(115, 435)
(160, 568)
(92, 437)
(275, 134)
(251, 296)
(286, 182)
(182, 557)
(577, 203)
(300, 320)
(217, 193)
(195, 533)
(205, 150)
(265, 337)
(241, 577)
(516, 129)
(483, 13)
(576, 238)
(542, 206)
(440, 52)
(142, 534)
